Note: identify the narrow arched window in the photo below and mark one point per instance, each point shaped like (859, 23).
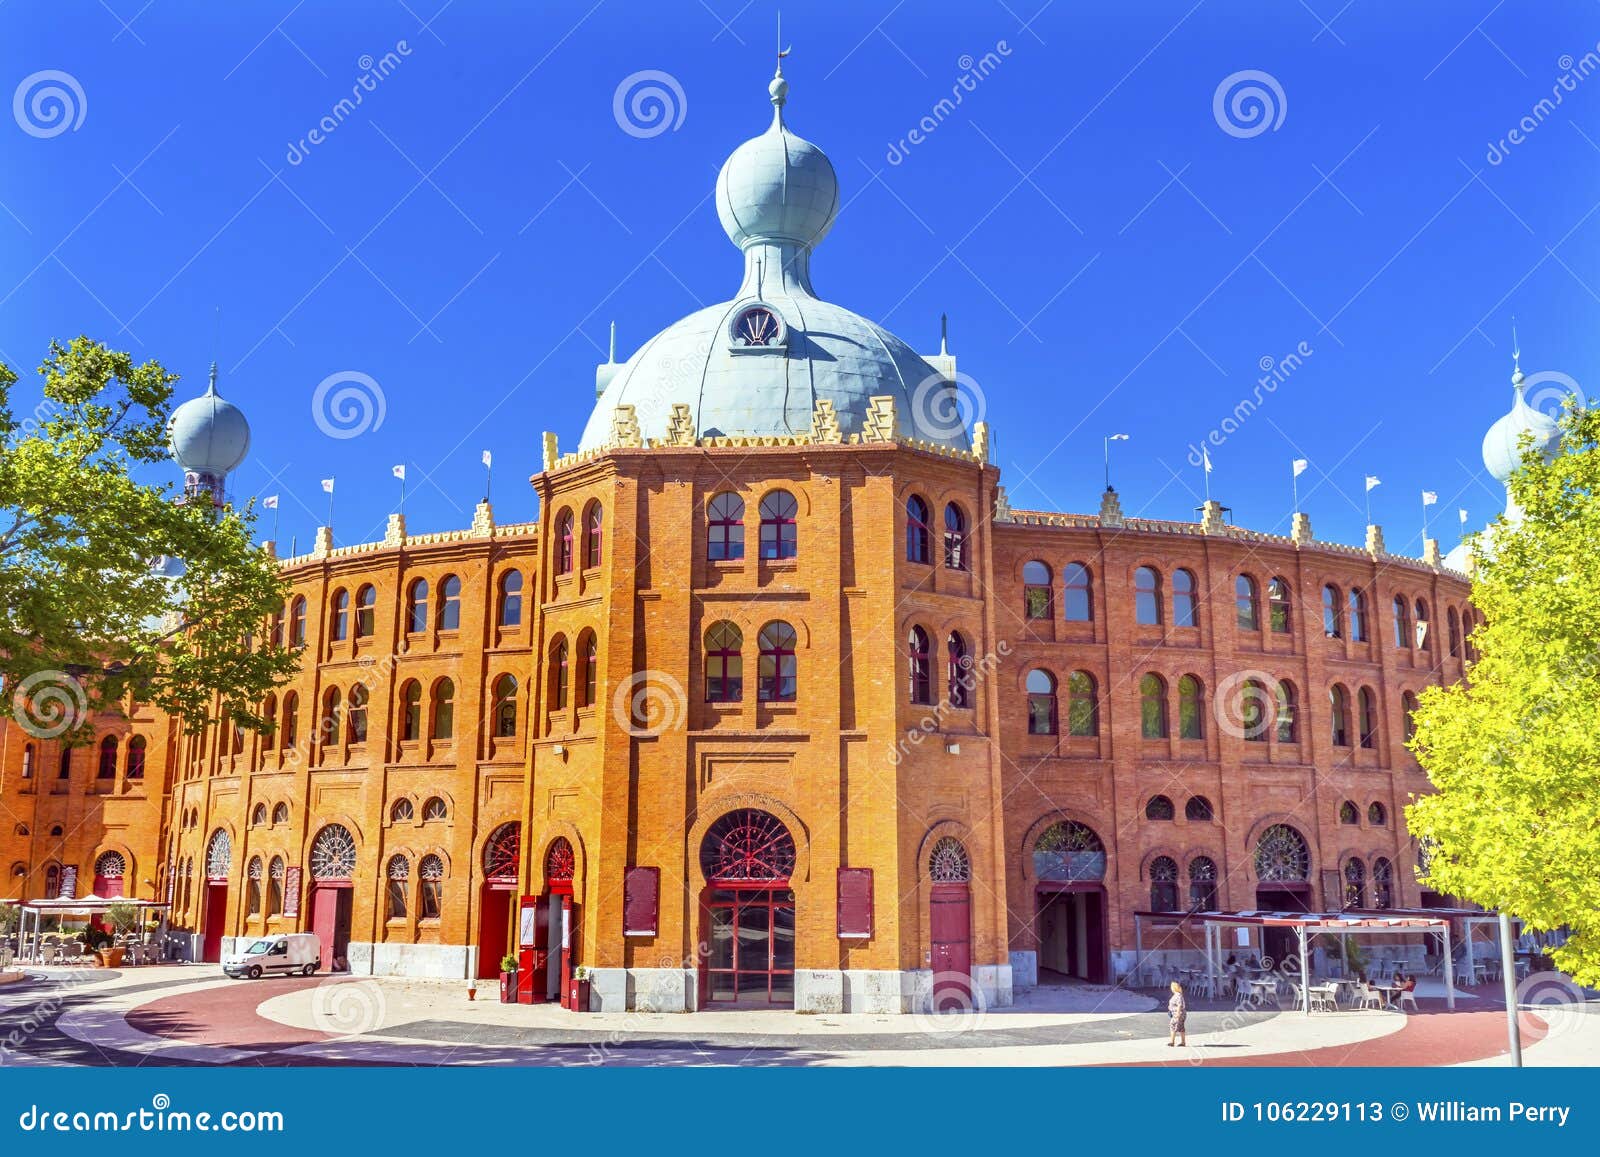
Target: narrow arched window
(1036, 590)
(1203, 884)
(297, 622)
(402, 812)
(920, 666)
(450, 603)
(258, 815)
(505, 707)
(275, 887)
(510, 612)
(366, 611)
(339, 623)
(1163, 884)
(588, 672)
(1402, 624)
(444, 709)
(724, 663)
(955, 537)
(411, 711)
(1159, 807)
(1191, 708)
(776, 678)
(1288, 728)
(1424, 640)
(1452, 623)
(558, 675)
(280, 813)
(136, 749)
(1382, 883)
(564, 543)
(1278, 606)
(1377, 814)
(64, 764)
(1355, 883)
(356, 717)
(1358, 616)
(417, 607)
(275, 631)
(1083, 705)
(1147, 597)
(290, 730)
(725, 527)
(958, 671)
(252, 890)
(1153, 707)
(1338, 715)
(1331, 615)
(399, 875)
(919, 534)
(1077, 593)
(593, 535)
(329, 725)
(1253, 711)
(779, 533)
(1041, 688)
(108, 758)
(1247, 611)
(1348, 814)
(431, 870)
(1185, 610)
(1368, 704)
(1408, 708)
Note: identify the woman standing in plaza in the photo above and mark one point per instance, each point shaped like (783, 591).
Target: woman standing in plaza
(1177, 1014)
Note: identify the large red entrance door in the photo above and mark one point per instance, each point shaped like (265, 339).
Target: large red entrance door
(216, 917)
(493, 918)
(330, 920)
(751, 939)
(950, 924)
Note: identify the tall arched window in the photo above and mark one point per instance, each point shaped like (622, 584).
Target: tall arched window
(958, 676)
(431, 896)
(1382, 883)
(1278, 606)
(1153, 707)
(330, 724)
(275, 887)
(776, 675)
(252, 887)
(1424, 639)
(1036, 590)
(1041, 688)
(1452, 622)
(1077, 593)
(920, 666)
(588, 670)
(1288, 727)
(1147, 597)
(1164, 884)
(558, 675)
(366, 611)
(1408, 709)
(725, 527)
(1339, 715)
(1355, 883)
(1349, 813)
(1368, 709)
(505, 706)
(399, 876)
(564, 542)
(1331, 614)
(1377, 814)
(919, 535)
(64, 764)
(955, 537)
(275, 631)
(1083, 705)
(1246, 603)
(593, 535)
(450, 603)
(410, 711)
(724, 663)
(779, 534)
(1358, 615)
(291, 720)
(136, 749)
(444, 709)
(1402, 623)
(280, 813)
(417, 607)
(297, 622)
(1191, 708)
(258, 816)
(356, 716)
(1203, 884)
(1159, 807)
(339, 622)
(108, 758)
(1253, 711)
(1185, 612)
(510, 610)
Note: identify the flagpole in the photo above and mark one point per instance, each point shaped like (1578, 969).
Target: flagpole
(274, 524)
(1294, 486)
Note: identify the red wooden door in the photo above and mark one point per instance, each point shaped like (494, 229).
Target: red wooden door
(216, 914)
(539, 990)
(950, 921)
(325, 922)
(495, 913)
(108, 887)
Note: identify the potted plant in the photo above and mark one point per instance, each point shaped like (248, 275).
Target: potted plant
(578, 989)
(123, 919)
(508, 978)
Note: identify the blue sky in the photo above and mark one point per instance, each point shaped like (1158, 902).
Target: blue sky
(1112, 258)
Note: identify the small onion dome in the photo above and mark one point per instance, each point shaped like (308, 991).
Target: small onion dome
(208, 434)
(1502, 445)
(777, 187)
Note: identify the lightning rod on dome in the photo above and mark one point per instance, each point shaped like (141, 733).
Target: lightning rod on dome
(611, 356)
(944, 335)
(1516, 353)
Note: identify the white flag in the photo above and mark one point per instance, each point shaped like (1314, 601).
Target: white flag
(488, 458)
(1205, 457)
(1300, 465)
(1372, 480)
(270, 502)
(1429, 498)
(398, 471)
(1463, 513)
(327, 485)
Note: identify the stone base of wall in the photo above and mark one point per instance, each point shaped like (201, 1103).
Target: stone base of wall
(642, 990)
(1025, 969)
(438, 961)
(816, 990)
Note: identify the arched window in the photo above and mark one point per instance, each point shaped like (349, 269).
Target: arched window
(588, 669)
(593, 534)
(356, 717)
(1147, 597)
(1355, 883)
(776, 673)
(559, 862)
(1041, 687)
(366, 611)
(724, 663)
(746, 846)
(1184, 608)
(275, 630)
(444, 709)
(297, 622)
(275, 887)
(955, 537)
(290, 731)
(1153, 707)
(1339, 715)
(564, 543)
(1332, 628)
(1164, 884)
(510, 612)
(1246, 603)
(110, 866)
(258, 815)
(1036, 590)
(1203, 884)
(431, 897)
(949, 863)
(1377, 814)
(1252, 709)
(450, 603)
(64, 764)
(919, 536)
(417, 607)
(1282, 856)
(333, 854)
(411, 711)
(921, 687)
(1199, 810)
(1159, 807)
(219, 855)
(1452, 622)
(1288, 727)
(1083, 705)
(1402, 623)
(725, 527)
(958, 671)
(52, 881)
(331, 720)
(1069, 852)
(339, 622)
(502, 852)
(1358, 615)
(1077, 593)
(1382, 883)
(399, 875)
(1368, 705)
(434, 808)
(1278, 606)
(252, 889)
(108, 758)
(505, 706)
(558, 675)
(1348, 813)
(1191, 708)
(1424, 640)
(280, 813)
(779, 534)
(136, 749)
(402, 812)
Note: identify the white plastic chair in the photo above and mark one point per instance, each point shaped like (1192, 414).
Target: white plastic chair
(1408, 997)
(1368, 997)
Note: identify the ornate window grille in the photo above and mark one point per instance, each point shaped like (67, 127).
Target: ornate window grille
(1282, 855)
(1069, 851)
(502, 854)
(435, 809)
(333, 854)
(1164, 884)
(219, 854)
(1355, 883)
(748, 845)
(110, 865)
(559, 861)
(948, 863)
(1203, 884)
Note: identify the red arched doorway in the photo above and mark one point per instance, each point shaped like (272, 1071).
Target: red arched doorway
(550, 945)
(219, 854)
(502, 855)
(110, 870)
(950, 925)
(747, 912)
(333, 868)
(1069, 865)
(1283, 884)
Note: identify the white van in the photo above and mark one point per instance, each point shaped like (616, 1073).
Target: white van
(292, 954)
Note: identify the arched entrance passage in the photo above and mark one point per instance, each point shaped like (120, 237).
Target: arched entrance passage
(502, 857)
(549, 946)
(747, 912)
(1069, 867)
(333, 869)
(219, 854)
(950, 925)
(1283, 883)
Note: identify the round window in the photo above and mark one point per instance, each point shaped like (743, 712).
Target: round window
(757, 327)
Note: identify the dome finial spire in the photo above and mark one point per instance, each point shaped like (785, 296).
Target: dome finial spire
(212, 388)
(1516, 355)
(778, 90)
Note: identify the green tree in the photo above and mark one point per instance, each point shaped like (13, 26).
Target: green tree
(84, 619)
(1514, 751)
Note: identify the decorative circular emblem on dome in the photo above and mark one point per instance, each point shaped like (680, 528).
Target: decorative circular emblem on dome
(757, 328)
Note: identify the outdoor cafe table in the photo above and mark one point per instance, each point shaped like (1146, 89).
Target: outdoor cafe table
(1262, 988)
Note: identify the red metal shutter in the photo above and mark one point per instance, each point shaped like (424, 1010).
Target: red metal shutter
(641, 894)
(855, 903)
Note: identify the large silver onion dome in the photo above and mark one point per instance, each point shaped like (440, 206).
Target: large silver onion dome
(208, 435)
